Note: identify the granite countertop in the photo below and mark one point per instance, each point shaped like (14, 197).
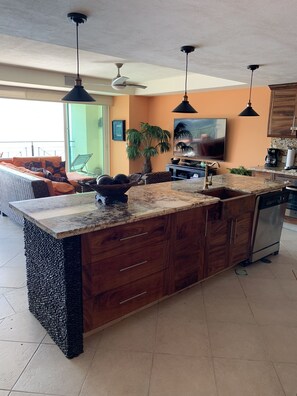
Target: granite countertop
(278, 169)
(69, 215)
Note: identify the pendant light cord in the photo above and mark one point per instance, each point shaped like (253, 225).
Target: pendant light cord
(251, 83)
(77, 55)
(186, 79)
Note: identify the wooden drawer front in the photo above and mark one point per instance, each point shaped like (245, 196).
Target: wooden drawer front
(118, 302)
(122, 239)
(116, 271)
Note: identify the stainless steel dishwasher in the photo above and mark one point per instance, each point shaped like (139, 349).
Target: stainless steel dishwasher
(268, 222)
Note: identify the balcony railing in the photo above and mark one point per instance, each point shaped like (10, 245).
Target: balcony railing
(32, 148)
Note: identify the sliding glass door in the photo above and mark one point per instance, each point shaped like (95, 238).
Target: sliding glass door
(87, 137)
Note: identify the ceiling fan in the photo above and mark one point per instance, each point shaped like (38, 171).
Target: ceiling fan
(120, 82)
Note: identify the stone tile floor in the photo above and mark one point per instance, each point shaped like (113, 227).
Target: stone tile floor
(233, 335)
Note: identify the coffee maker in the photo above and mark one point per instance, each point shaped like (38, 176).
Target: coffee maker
(271, 158)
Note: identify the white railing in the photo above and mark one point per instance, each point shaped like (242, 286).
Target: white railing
(32, 148)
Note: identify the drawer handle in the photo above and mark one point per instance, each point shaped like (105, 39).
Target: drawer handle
(133, 236)
(132, 298)
(133, 266)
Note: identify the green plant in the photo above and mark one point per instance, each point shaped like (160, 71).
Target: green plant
(147, 142)
(241, 170)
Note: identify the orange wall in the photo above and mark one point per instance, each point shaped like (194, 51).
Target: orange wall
(246, 136)
(246, 140)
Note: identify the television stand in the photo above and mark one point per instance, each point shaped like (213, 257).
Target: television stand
(182, 172)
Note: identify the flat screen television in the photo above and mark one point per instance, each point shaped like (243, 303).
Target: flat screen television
(200, 138)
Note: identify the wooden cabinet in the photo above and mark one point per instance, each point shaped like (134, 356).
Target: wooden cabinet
(283, 111)
(123, 269)
(228, 234)
(187, 248)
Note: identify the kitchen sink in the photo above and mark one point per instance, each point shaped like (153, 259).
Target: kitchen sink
(223, 193)
(232, 203)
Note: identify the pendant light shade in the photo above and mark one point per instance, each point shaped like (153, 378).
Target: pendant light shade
(249, 111)
(184, 106)
(78, 93)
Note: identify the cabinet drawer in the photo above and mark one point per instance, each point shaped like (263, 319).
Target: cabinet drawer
(120, 301)
(116, 271)
(122, 239)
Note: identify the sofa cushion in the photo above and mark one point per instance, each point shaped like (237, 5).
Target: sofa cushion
(20, 161)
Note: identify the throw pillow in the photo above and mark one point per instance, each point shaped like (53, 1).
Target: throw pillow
(56, 169)
(32, 164)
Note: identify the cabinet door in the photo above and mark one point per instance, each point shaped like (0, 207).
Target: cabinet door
(188, 248)
(240, 236)
(217, 246)
(282, 110)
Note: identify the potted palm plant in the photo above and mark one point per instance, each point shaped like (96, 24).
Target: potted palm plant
(147, 142)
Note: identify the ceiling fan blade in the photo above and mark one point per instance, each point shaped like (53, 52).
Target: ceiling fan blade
(136, 85)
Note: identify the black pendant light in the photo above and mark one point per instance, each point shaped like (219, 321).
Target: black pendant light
(78, 93)
(249, 111)
(184, 106)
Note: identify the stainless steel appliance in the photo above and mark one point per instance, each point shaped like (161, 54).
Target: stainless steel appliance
(268, 223)
(271, 159)
(291, 210)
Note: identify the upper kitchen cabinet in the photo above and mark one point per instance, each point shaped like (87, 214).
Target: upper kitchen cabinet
(283, 111)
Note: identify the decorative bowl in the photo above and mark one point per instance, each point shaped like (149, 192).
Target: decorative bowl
(114, 190)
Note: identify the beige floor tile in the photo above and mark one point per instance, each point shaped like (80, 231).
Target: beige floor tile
(259, 270)
(280, 343)
(55, 373)
(287, 374)
(236, 340)
(14, 358)
(10, 248)
(228, 310)
(5, 308)
(12, 277)
(26, 394)
(135, 333)
(186, 304)
(118, 373)
(246, 378)
(289, 288)
(18, 261)
(21, 327)
(18, 299)
(224, 285)
(5, 393)
(274, 312)
(285, 270)
(182, 375)
(179, 336)
(262, 289)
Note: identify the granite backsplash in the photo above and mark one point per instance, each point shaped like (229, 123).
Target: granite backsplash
(283, 144)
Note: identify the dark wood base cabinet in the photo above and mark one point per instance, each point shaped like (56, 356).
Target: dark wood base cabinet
(127, 267)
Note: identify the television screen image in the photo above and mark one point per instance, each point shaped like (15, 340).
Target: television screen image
(200, 138)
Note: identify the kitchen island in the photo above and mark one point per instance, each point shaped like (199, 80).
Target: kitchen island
(90, 264)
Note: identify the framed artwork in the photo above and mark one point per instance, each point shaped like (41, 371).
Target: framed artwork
(118, 129)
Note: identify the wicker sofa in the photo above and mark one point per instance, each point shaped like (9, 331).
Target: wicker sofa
(18, 183)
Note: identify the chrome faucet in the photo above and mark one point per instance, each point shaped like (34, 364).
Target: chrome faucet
(207, 180)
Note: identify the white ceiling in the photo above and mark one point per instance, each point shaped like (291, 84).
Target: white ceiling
(146, 36)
